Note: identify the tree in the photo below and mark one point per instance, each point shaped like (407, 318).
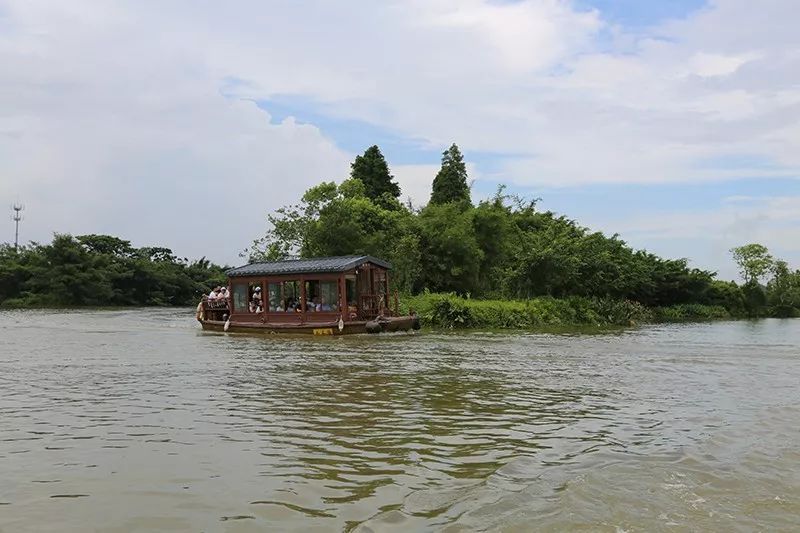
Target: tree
(373, 171)
(64, 273)
(450, 254)
(754, 262)
(335, 220)
(726, 294)
(450, 184)
(106, 244)
(494, 231)
(501, 248)
(157, 254)
(783, 291)
(100, 270)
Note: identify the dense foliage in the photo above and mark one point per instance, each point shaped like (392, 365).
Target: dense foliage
(505, 248)
(500, 248)
(100, 270)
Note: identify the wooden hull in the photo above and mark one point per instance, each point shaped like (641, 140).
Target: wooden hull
(385, 325)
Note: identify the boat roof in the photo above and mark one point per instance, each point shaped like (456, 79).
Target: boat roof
(306, 266)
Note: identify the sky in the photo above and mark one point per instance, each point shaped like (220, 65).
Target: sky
(183, 123)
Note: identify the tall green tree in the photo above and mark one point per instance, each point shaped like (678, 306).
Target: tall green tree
(450, 183)
(754, 262)
(449, 251)
(783, 291)
(495, 233)
(373, 171)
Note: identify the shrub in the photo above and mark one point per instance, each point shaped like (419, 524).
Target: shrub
(451, 311)
(676, 313)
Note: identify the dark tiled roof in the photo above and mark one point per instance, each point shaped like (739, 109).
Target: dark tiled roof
(304, 266)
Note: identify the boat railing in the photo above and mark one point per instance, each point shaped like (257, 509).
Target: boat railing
(216, 304)
(372, 305)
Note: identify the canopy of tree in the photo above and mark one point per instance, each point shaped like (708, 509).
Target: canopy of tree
(372, 170)
(100, 270)
(450, 184)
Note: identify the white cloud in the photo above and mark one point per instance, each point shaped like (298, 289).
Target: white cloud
(711, 65)
(415, 181)
(523, 78)
(523, 35)
(108, 129)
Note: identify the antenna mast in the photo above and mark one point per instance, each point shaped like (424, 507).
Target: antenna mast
(17, 217)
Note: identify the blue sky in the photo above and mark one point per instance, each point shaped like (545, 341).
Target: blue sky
(642, 13)
(674, 124)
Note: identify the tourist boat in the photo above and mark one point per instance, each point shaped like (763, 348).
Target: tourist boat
(321, 296)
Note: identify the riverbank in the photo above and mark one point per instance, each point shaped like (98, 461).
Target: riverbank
(450, 311)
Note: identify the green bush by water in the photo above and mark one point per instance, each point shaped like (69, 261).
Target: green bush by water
(451, 311)
(677, 313)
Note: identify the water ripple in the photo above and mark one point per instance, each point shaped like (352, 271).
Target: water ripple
(688, 426)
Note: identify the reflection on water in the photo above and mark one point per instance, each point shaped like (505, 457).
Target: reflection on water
(137, 421)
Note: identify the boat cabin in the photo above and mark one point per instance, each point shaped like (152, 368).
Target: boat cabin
(308, 291)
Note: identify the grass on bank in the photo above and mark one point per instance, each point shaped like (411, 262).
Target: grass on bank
(451, 311)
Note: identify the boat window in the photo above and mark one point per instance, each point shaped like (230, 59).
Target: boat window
(291, 296)
(322, 296)
(275, 298)
(255, 299)
(352, 295)
(240, 304)
(284, 297)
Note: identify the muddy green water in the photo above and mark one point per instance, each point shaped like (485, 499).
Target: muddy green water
(137, 421)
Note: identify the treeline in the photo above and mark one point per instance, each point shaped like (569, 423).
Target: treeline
(501, 248)
(100, 270)
(450, 253)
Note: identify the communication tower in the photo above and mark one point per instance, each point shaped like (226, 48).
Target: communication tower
(17, 217)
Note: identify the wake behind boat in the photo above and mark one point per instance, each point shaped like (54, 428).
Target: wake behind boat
(320, 296)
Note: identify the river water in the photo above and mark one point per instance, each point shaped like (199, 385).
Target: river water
(136, 420)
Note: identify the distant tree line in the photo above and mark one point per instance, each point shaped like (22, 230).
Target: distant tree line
(100, 270)
(503, 247)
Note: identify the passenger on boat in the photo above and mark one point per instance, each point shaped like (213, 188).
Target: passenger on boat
(223, 293)
(292, 306)
(214, 294)
(323, 305)
(255, 301)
